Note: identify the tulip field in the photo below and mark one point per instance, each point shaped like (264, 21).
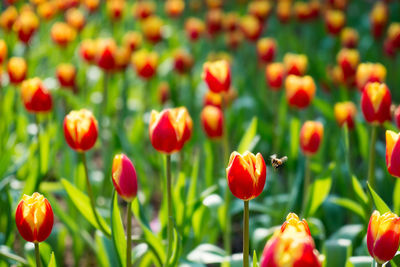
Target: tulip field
(200, 133)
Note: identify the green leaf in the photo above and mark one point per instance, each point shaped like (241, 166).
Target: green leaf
(82, 203)
(324, 107)
(250, 138)
(176, 251)
(363, 141)
(380, 205)
(319, 191)
(52, 262)
(337, 251)
(117, 231)
(350, 205)
(396, 197)
(255, 260)
(360, 261)
(294, 138)
(359, 190)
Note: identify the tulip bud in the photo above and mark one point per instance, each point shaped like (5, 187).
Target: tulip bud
(266, 49)
(349, 37)
(383, 236)
(163, 92)
(75, 18)
(397, 116)
(230, 21)
(143, 9)
(345, 113)
(284, 10)
(392, 151)
(246, 175)
(194, 28)
(375, 103)
(348, 60)
(87, 50)
(91, 5)
(311, 135)
(370, 72)
(334, 21)
(16, 68)
(47, 10)
(132, 40)
(35, 96)
(26, 25)
(338, 4)
(378, 18)
(293, 223)
(145, 63)
(260, 9)
(105, 54)
(302, 11)
(300, 91)
(217, 75)
(214, 21)
(213, 4)
(394, 34)
(251, 27)
(8, 18)
(212, 119)
(183, 61)
(62, 34)
(3, 51)
(66, 74)
(80, 130)
(34, 218)
(124, 177)
(295, 64)
(233, 39)
(174, 8)
(151, 27)
(115, 9)
(274, 74)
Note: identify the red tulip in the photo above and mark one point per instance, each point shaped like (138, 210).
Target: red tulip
(174, 8)
(334, 21)
(375, 103)
(3, 51)
(378, 18)
(266, 49)
(16, 68)
(300, 91)
(370, 72)
(295, 64)
(26, 25)
(212, 119)
(217, 75)
(349, 37)
(35, 96)
(345, 113)
(145, 63)
(105, 54)
(80, 130)
(393, 153)
(311, 135)
(194, 28)
(275, 74)
(348, 60)
(124, 177)
(8, 17)
(66, 74)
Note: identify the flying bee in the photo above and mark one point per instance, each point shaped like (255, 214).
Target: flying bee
(277, 162)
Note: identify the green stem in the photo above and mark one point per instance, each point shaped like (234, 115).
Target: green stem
(379, 264)
(39, 153)
(371, 164)
(91, 196)
(170, 215)
(37, 254)
(129, 235)
(306, 184)
(246, 234)
(104, 106)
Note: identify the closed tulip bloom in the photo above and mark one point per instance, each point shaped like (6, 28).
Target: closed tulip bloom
(194, 28)
(230, 21)
(151, 28)
(260, 9)
(246, 175)
(91, 5)
(174, 8)
(295, 64)
(3, 51)
(212, 120)
(266, 49)
(213, 4)
(163, 92)
(115, 9)
(300, 91)
(284, 11)
(106, 50)
(338, 4)
(334, 21)
(26, 25)
(397, 116)
(133, 40)
(8, 17)
(145, 63)
(124, 177)
(143, 9)
(349, 37)
(383, 236)
(66, 74)
(122, 58)
(214, 21)
(183, 61)
(47, 10)
(394, 34)
(35, 96)
(378, 19)
(16, 68)
(87, 50)
(311, 135)
(348, 60)
(393, 153)
(375, 103)
(345, 113)
(251, 27)
(75, 18)
(217, 75)
(294, 223)
(34, 218)
(62, 34)
(302, 11)
(169, 129)
(275, 74)
(370, 72)
(80, 130)
(233, 39)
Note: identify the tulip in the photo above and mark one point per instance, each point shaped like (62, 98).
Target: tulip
(183, 61)
(251, 27)
(66, 74)
(143, 9)
(378, 18)
(75, 19)
(8, 17)
(194, 28)
(122, 58)
(311, 135)
(214, 21)
(394, 34)
(214, 4)
(283, 11)
(338, 4)
(87, 50)
(16, 68)
(3, 51)
(389, 48)
(348, 60)
(336, 74)
(151, 28)
(230, 21)
(293, 246)
(397, 116)
(295, 64)
(80, 130)
(370, 72)
(349, 37)
(91, 5)
(132, 40)
(47, 10)
(300, 91)
(392, 151)
(174, 8)
(163, 92)
(275, 74)
(26, 25)
(260, 9)
(345, 113)
(34, 218)
(105, 54)
(35, 96)
(217, 75)
(334, 21)
(115, 9)
(375, 103)
(302, 11)
(212, 119)
(383, 236)
(233, 39)
(266, 49)
(145, 63)
(62, 34)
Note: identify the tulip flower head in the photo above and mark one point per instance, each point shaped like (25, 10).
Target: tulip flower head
(183, 61)
(217, 75)
(393, 153)
(132, 40)
(47, 10)
(3, 51)
(370, 72)
(378, 18)
(35, 96)
(66, 74)
(266, 49)
(194, 28)
(246, 175)
(151, 28)
(260, 9)
(295, 64)
(383, 236)
(300, 91)
(251, 27)
(174, 8)
(230, 21)
(394, 34)
(91, 5)
(275, 74)
(345, 113)
(284, 10)
(163, 92)
(145, 63)
(349, 37)
(34, 218)
(214, 21)
(75, 18)
(16, 68)
(124, 177)
(87, 50)
(397, 116)
(62, 33)
(105, 54)
(80, 130)
(26, 25)
(334, 20)
(375, 103)
(212, 119)
(143, 9)
(115, 9)
(8, 17)
(311, 135)
(293, 223)
(348, 60)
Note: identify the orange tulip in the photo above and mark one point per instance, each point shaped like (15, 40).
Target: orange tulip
(122, 58)
(214, 21)
(230, 21)
(213, 4)
(106, 50)
(334, 21)
(378, 18)
(383, 236)
(275, 74)
(260, 9)
(212, 119)
(35, 96)
(66, 74)
(345, 113)
(338, 4)
(151, 27)
(349, 37)
(34, 218)
(266, 49)
(174, 8)
(143, 9)
(80, 130)
(284, 10)
(62, 33)
(246, 175)
(47, 10)
(3, 51)
(132, 40)
(194, 28)
(87, 50)
(145, 63)
(115, 9)
(295, 64)
(348, 60)
(217, 75)
(124, 177)
(91, 5)
(311, 135)
(8, 17)
(251, 27)
(26, 25)
(16, 68)
(392, 151)
(75, 18)
(302, 11)
(375, 103)
(300, 91)
(394, 34)
(370, 72)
